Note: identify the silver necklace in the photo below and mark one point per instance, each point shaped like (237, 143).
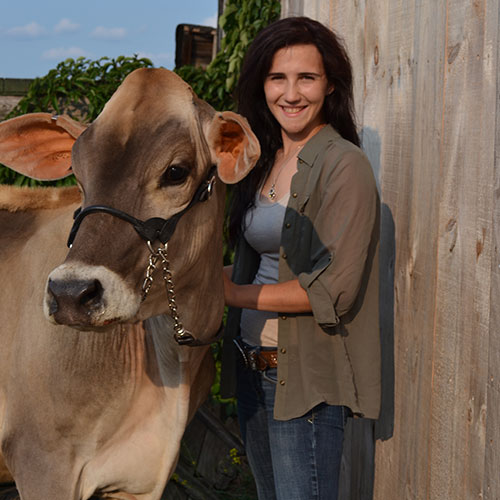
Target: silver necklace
(272, 190)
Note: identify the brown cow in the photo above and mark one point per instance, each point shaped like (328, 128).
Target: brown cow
(92, 401)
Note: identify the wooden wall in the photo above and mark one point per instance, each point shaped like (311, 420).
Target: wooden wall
(427, 96)
(11, 92)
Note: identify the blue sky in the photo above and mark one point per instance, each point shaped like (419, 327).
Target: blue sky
(37, 34)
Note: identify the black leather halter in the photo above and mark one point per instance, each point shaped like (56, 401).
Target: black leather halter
(152, 229)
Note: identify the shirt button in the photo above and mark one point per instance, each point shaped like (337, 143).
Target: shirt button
(282, 382)
(283, 350)
(294, 195)
(283, 317)
(301, 161)
(285, 256)
(288, 225)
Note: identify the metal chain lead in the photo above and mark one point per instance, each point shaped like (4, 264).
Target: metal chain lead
(161, 253)
(148, 280)
(169, 288)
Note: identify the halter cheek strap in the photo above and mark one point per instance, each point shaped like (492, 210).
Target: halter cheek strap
(152, 229)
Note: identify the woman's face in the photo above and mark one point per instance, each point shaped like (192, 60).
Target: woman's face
(295, 89)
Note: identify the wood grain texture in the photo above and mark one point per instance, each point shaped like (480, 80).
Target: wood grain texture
(427, 98)
(491, 486)
(463, 275)
(402, 103)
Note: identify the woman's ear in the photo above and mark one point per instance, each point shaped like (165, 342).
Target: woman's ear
(233, 146)
(38, 145)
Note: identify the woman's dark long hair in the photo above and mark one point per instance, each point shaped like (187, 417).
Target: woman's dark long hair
(338, 108)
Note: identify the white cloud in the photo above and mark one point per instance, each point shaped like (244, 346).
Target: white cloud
(109, 33)
(210, 21)
(62, 53)
(65, 25)
(31, 30)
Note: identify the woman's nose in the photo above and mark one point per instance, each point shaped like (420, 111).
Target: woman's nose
(291, 92)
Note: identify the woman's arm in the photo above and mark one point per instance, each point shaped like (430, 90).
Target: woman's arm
(287, 297)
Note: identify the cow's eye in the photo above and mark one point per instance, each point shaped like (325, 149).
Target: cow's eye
(175, 174)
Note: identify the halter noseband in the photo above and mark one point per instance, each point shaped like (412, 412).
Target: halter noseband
(152, 229)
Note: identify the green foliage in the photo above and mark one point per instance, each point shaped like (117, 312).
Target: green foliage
(80, 88)
(241, 21)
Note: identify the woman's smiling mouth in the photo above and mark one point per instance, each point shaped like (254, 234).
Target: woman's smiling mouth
(292, 111)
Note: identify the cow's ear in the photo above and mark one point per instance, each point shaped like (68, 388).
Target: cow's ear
(38, 145)
(234, 147)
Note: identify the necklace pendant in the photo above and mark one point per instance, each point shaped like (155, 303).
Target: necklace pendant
(272, 193)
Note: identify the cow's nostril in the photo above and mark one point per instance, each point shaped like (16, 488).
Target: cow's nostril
(74, 298)
(53, 307)
(91, 294)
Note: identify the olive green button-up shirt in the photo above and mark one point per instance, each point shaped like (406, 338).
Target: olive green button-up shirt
(329, 242)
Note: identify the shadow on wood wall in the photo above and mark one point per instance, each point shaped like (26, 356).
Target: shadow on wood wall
(358, 460)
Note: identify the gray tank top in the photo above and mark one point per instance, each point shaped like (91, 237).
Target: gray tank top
(263, 232)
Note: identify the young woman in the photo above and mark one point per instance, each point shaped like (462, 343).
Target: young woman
(302, 336)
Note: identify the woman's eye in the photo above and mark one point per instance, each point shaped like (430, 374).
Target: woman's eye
(175, 174)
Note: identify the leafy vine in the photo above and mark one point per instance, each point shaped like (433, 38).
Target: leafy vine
(80, 88)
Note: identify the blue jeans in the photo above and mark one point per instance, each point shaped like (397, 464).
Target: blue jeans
(297, 459)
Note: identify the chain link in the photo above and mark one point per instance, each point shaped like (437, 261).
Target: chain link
(154, 257)
(148, 280)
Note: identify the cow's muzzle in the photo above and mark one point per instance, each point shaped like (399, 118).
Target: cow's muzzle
(84, 296)
(71, 302)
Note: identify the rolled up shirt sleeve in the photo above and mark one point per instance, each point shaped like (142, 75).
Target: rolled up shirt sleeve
(343, 228)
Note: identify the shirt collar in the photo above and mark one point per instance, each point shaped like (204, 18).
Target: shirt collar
(312, 147)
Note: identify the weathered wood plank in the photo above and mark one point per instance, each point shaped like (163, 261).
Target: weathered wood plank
(491, 486)
(403, 43)
(461, 340)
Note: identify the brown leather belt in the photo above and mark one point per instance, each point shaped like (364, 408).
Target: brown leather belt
(263, 360)
(257, 359)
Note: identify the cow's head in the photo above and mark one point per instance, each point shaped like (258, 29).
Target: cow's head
(146, 156)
